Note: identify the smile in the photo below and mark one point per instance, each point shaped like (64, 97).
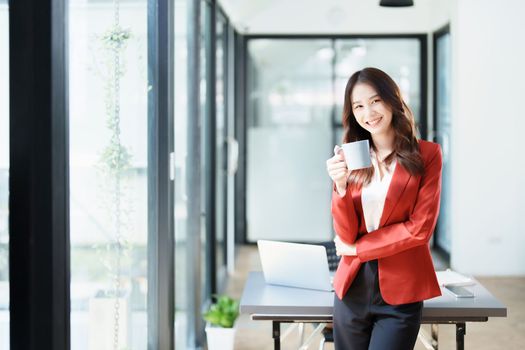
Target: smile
(374, 122)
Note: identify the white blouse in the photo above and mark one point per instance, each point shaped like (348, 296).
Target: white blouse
(373, 195)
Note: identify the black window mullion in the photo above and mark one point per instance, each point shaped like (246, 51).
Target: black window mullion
(224, 167)
(241, 61)
(423, 118)
(39, 264)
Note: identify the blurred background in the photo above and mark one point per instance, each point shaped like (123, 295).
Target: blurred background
(256, 95)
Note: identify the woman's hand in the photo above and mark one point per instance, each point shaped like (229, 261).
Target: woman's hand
(338, 172)
(343, 248)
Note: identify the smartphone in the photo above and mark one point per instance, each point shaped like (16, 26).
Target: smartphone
(460, 292)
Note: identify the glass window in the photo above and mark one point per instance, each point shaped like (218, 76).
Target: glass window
(232, 144)
(220, 168)
(108, 174)
(289, 139)
(205, 106)
(4, 176)
(443, 81)
(181, 200)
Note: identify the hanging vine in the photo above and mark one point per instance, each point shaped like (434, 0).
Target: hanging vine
(114, 162)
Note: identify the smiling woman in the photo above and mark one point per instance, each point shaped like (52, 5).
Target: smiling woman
(383, 223)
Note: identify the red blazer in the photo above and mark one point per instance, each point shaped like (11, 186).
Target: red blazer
(400, 244)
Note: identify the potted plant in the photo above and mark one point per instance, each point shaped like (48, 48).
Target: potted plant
(220, 319)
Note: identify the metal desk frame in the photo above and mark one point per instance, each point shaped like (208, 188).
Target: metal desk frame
(460, 323)
(277, 304)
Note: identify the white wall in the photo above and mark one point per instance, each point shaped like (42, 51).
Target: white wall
(441, 11)
(488, 164)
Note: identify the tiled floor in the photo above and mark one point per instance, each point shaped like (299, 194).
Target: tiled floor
(497, 333)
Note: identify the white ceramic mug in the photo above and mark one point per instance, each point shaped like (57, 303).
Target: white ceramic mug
(357, 154)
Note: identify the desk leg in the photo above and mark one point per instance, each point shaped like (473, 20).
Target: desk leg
(460, 336)
(276, 335)
(434, 334)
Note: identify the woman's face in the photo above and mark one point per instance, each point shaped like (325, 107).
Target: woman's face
(370, 111)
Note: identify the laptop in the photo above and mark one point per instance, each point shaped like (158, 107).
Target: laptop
(295, 265)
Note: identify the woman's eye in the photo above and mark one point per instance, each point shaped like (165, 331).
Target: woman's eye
(374, 101)
(357, 107)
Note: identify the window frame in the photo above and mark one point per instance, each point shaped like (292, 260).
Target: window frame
(39, 266)
(241, 106)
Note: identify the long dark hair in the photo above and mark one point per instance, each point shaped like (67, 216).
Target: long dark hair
(406, 147)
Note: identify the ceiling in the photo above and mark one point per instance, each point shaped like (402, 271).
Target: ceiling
(334, 16)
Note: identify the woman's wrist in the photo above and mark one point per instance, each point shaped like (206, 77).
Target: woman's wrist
(341, 189)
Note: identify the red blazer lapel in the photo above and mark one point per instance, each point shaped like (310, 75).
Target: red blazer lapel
(395, 190)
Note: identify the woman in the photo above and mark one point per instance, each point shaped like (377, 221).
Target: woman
(384, 217)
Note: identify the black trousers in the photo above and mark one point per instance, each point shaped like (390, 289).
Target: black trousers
(363, 320)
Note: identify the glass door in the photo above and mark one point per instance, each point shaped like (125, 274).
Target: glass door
(182, 269)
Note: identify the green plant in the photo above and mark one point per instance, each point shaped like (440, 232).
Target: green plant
(223, 313)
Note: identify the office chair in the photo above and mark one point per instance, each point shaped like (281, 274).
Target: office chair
(333, 259)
